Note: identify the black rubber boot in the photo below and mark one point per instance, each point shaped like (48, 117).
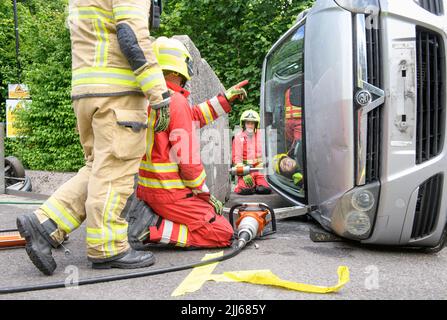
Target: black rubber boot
(130, 260)
(140, 218)
(38, 243)
(263, 190)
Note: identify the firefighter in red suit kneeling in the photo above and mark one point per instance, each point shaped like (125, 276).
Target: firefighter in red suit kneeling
(177, 207)
(247, 150)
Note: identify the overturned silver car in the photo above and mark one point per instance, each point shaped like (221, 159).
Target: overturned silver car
(354, 97)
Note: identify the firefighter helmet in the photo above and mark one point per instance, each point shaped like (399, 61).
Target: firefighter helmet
(277, 161)
(172, 55)
(250, 115)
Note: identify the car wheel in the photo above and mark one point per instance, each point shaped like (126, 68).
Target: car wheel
(13, 169)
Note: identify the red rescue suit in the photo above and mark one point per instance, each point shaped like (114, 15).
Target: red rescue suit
(293, 121)
(247, 149)
(171, 169)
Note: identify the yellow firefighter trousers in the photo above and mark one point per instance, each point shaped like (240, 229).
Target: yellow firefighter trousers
(98, 193)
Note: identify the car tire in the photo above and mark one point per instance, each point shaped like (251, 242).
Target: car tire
(13, 168)
(16, 167)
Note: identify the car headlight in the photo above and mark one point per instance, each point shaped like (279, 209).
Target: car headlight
(354, 214)
(358, 223)
(360, 6)
(363, 200)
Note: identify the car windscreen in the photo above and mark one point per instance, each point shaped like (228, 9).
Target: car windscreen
(284, 114)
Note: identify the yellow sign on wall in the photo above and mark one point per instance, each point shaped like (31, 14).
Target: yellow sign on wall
(11, 107)
(18, 91)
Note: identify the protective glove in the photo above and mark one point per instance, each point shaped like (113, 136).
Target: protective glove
(217, 204)
(248, 179)
(165, 102)
(163, 119)
(207, 197)
(297, 178)
(237, 92)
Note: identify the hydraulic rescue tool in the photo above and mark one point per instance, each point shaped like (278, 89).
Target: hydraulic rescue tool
(253, 218)
(243, 170)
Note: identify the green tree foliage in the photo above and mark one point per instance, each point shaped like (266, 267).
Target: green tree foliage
(8, 70)
(233, 36)
(51, 142)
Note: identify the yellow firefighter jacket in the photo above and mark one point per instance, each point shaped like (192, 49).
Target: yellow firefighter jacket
(112, 50)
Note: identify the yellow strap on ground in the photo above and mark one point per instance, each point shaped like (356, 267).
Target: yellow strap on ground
(194, 281)
(198, 276)
(266, 277)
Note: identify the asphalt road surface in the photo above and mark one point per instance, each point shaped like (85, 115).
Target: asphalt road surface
(375, 272)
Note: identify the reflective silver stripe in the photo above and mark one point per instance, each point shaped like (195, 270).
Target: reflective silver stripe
(153, 167)
(119, 14)
(161, 184)
(182, 236)
(150, 78)
(217, 106)
(89, 12)
(206, 112)
(171, 52)
(197, 181)
(95, 236)
(102, 75)
(60, 215)
(110, 206)
(111, 221)
(167, 231)
(102, 43)
(121, 231)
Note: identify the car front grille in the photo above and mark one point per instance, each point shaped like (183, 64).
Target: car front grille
(374, 117)
(427, 207)
(430, 63)
(434, 6)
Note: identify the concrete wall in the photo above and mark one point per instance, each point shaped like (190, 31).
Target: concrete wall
(215, 147)
(215, 139)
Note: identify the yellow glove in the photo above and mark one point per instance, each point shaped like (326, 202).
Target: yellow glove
(217, 204)
(297, 178)
(164, 117)
(237, 92)
(248, 179)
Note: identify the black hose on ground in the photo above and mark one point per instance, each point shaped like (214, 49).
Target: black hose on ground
(61, 284)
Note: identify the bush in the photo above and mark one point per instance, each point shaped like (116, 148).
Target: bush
(50, 141)
(233, 36)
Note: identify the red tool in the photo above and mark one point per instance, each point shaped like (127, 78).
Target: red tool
(252, 221)
(11, 239)
(243, 170)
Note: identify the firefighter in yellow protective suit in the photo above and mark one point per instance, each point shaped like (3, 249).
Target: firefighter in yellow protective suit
(115, 73)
